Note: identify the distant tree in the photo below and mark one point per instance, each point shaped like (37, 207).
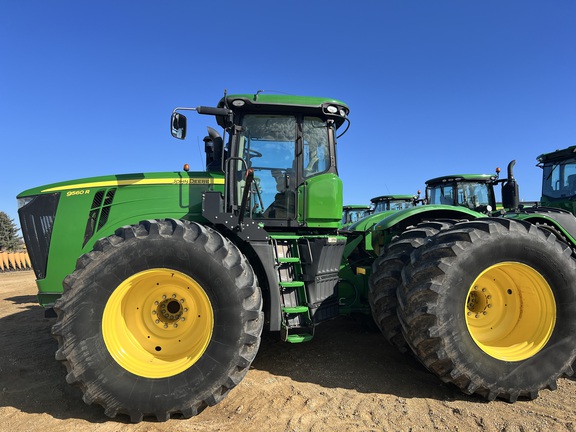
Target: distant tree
(9, 239)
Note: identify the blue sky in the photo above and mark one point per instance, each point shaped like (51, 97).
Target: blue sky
(434, 86)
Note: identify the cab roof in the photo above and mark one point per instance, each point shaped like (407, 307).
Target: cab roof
(462, 177)
(392, 197)
(567, 153)
(286, 103)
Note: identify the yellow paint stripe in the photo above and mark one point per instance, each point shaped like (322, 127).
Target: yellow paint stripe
(162, 181)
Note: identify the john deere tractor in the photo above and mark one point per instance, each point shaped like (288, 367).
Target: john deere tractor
(354, 212)
(473, 191)
(162, 283)
(467, 291)
(385, 203)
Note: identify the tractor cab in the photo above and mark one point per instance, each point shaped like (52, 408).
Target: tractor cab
(354, 212)
(279, 161)
(473, 191)
(393, 202)
(559, 178)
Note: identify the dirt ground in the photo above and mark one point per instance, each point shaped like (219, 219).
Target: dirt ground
(348, 378)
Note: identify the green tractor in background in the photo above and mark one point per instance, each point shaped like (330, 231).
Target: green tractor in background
(386, 203)
(559, 179)
(354, 212)
(162, 283)
(473, 191)
(421, 260)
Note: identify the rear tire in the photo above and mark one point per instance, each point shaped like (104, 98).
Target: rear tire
(386, 277)
(162, 318)
(488, 306)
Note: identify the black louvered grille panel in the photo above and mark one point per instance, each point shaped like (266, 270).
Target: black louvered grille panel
(37, 221)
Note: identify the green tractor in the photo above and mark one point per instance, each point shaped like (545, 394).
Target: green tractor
(453, 285)
(386, 203)
(473, 191)
(354, 212)
(162, 283)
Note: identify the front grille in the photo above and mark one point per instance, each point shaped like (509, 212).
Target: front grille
(37, 221)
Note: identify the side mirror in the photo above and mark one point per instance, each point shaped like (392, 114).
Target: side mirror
(178, 125)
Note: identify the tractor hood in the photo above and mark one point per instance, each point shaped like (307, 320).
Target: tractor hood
(85, 185)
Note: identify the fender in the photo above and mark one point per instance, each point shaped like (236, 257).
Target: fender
(561, 221)
(398, 221)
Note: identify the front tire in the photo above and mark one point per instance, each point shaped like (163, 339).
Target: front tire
(161, 318)
(488, 306)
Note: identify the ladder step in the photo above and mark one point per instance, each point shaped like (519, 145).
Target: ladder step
(291, 284)
(297, 338)
(289, 259)
(285, 236)
(295, 309)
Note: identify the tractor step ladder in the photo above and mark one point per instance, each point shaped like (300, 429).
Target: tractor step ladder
(297, 324)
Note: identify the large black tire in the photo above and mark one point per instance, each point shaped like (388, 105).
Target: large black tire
(488, 306)
(386, 277)
(162, 318)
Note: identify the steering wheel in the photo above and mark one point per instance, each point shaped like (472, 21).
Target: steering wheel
(254, 153)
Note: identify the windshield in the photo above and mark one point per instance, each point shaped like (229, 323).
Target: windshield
(559, 179)
(474, 195)
(268, 145)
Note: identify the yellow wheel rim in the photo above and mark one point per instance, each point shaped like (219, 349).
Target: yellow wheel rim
(157, 323)
(510, 311)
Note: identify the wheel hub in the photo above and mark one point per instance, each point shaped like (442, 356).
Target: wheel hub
(479, 302)
(169, 311)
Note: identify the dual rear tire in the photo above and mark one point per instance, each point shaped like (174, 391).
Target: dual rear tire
(487, 306)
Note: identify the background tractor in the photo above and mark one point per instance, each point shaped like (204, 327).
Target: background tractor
(559, 179)
(385, 203)
(354, 212)
(473, 191)
(162, 283)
